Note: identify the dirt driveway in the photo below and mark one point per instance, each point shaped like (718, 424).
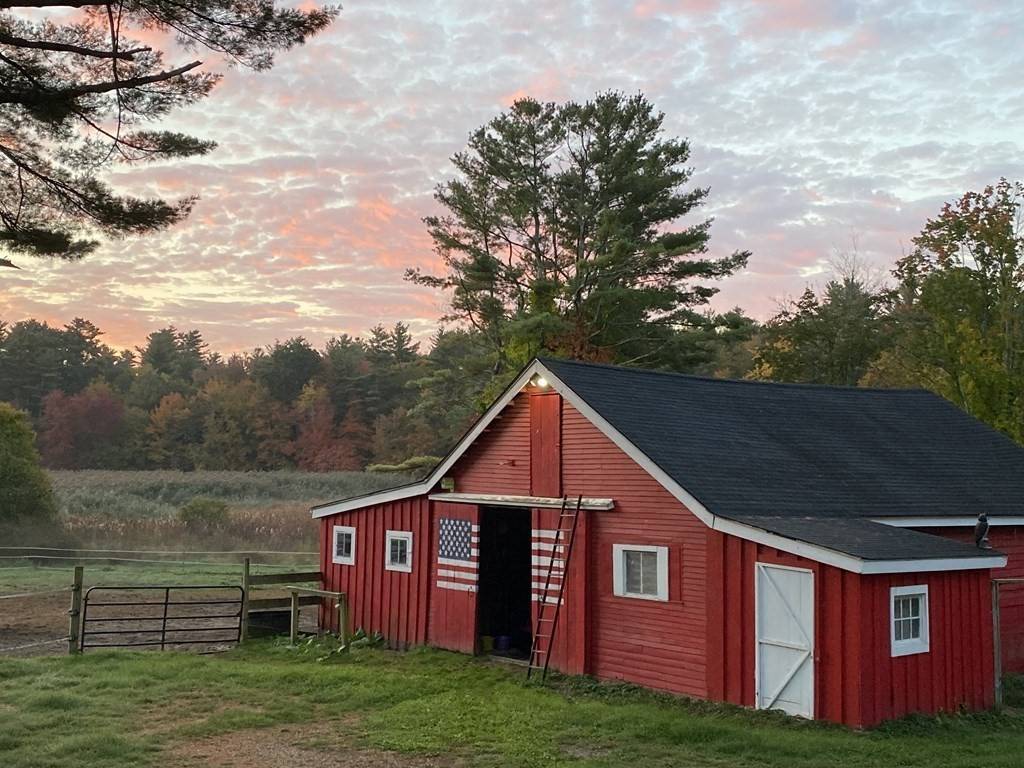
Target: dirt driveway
(312, 745)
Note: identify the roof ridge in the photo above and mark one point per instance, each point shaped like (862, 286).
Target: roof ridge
(744, 382)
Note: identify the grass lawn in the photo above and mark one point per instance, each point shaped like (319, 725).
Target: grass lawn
(269, 705)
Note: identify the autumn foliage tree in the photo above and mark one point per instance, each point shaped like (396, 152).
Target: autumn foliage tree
(318, 444)
(80, 92)
(173, 433)
(87, 430)
(960, 317)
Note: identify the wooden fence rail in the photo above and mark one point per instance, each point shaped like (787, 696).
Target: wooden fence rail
(309, 596)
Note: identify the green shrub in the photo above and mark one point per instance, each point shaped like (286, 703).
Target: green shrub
(205, 514)
(1013, 690)
(25, 492)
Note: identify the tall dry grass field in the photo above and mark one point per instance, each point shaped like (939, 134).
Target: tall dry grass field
(140, 510)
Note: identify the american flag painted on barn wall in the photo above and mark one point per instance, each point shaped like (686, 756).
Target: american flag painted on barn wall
(458, 554)
(543, 550)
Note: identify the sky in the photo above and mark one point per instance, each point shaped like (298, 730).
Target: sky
(822, 127)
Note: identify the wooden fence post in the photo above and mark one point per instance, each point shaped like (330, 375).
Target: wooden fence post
(293, 632)
(243, 632)
(343, 619)
(997, 643)
(75, 612)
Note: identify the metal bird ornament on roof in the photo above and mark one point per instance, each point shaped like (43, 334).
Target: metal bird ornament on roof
(981, 532)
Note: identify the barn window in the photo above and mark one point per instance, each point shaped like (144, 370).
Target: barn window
(398, 551)
(640, 570)
(909, 619)
(344, 545)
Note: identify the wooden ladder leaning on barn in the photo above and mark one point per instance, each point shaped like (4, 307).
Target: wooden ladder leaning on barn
(549, 605)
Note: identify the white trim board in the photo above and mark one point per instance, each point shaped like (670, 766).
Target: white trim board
(921, 644)
(619, 571)
(750, 533)
(533, 502)
(948, 522)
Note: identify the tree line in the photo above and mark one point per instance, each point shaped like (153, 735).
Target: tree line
(567, 230)
(949, 318)
(172, 403)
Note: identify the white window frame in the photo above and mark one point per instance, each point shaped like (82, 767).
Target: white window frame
(920, 644)
(335, 557)
(619, 571)
(405, 536)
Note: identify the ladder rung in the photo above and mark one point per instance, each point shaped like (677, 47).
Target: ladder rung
(544, 636)
(541, 618)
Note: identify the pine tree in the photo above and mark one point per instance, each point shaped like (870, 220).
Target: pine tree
(76, 93)
(561, 234)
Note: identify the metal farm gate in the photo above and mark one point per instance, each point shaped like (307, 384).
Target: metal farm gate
(161, 616)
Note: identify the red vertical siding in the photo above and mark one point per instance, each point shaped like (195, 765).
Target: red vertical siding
(957, 671)
(857, 680)
(730, 629)
(1009, 540)
(452, 612)
(658, 644)
(546, 444)
(390, 602)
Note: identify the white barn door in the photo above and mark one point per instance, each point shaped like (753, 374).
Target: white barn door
(784, 660)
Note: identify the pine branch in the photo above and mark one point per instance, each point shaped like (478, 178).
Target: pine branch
(49, 3)
(44, 45)
(29, 97)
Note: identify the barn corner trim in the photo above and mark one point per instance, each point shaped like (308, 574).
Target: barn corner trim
(810, 551)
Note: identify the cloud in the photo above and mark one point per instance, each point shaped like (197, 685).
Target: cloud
(819, 127)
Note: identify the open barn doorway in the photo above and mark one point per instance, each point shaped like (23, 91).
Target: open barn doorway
(504, 596)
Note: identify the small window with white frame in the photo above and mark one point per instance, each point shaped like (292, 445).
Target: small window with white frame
(398, 551)
(640, 571)
(909, 619)
(344, 552)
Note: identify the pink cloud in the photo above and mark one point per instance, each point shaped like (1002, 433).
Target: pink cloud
(815, 124)
(645, 9)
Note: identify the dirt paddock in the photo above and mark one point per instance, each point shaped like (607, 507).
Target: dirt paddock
(27, 621)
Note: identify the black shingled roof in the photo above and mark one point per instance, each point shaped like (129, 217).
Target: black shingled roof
(864, 538)
(792, 454)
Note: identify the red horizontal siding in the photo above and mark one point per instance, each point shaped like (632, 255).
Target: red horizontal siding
(657, 644)
(1008, 539)
(390, 602)
(499, 460)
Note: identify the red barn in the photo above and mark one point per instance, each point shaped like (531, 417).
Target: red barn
(765, 544)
